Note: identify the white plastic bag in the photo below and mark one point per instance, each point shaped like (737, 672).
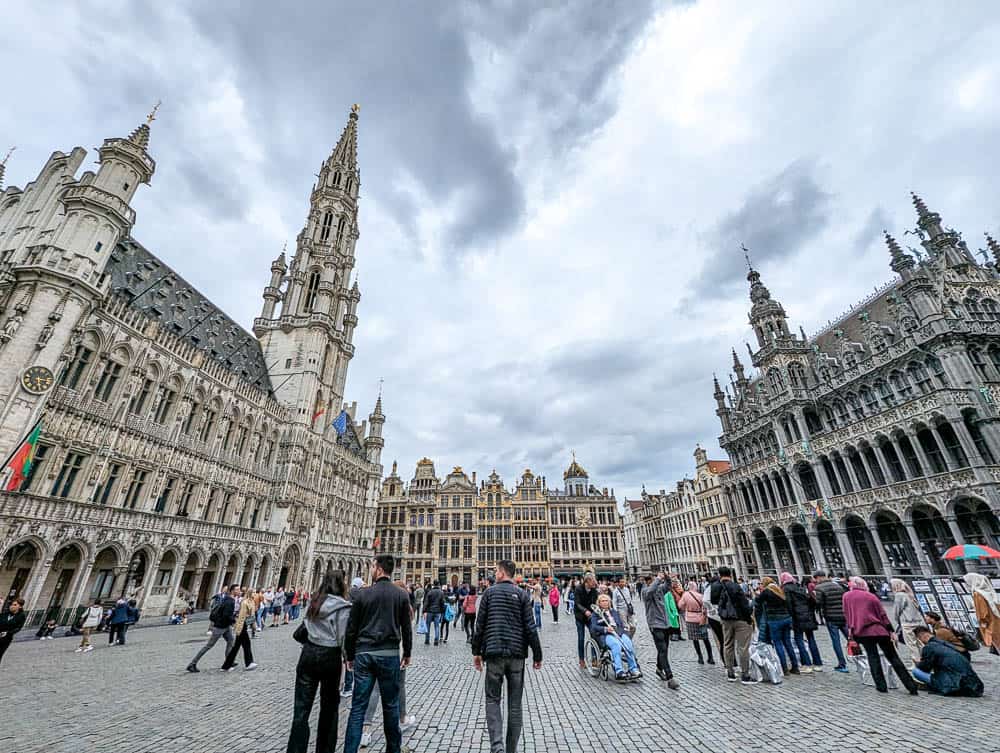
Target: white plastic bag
(861, 663)
(764, 663)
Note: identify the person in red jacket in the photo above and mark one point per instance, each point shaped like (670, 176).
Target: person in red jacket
(869, 625)
(554, 601)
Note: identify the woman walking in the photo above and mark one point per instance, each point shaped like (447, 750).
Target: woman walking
(692, 604)
(554, 601)
(906, 616)
(868, 624)
(986, 602)
(11, 622)
(320, 665)
(469, 614)
(244, 619)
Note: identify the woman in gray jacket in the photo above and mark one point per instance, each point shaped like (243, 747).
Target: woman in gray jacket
(906, 616)
(319, 665)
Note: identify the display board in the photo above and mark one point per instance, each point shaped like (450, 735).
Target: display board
(949, 598)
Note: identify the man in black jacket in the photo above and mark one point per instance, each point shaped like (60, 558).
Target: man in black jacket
(736, 617)
(379, 623)
(585, 596)
(11, 621)
(434, 609)
(505, 628)
(222, 617)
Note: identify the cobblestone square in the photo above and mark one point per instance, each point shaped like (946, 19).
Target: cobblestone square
(139, 698)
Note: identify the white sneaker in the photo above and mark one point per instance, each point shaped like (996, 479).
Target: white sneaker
(817, 668)
(252, 665)
(88, 648)
(78, 650)
(806, 670)
(366, 739)
(346, 693)
(408, 723)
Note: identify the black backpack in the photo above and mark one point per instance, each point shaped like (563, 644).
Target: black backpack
(727, 610)
(216, 615)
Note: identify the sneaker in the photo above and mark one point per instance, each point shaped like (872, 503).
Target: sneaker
(747, 680)
(842, 670)
(794, 671)
(78, 650)
(806, 670)
(228, 669)
(366, 739)
(622, 676)
(817, 667)
(662, 675)
(636, 675)
(408, 723)
(88, 648)
(731, 675)
(251, 666)
(673, 684)
(346, 693)
(192, 668)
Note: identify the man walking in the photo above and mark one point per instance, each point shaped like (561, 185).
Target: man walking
(90, 620)
(584, 598)
(659, 625)
(505, 627)
(434, 608)
(222, 618)
(736, 617)
(379, 622)
(830, 600)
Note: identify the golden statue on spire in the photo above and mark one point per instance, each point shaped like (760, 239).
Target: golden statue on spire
(152, 114)
(355, 108)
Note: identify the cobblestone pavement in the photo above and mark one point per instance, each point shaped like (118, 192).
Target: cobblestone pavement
(139, 698)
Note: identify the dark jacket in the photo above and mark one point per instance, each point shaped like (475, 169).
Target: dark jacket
(131, 615)
(505, 625)
(584, 599)
(599, 625)
(380, 620)
(10, 623)
(652, 599)
(951, 673)
(723, 591)
(773, 606)
(801, 606)
(119, 615)
(224, 612)
(353, 593)
(830, 600)
(434, 601)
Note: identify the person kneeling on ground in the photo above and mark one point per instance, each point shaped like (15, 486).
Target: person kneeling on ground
(942, 632)
(609, 631)
(942, 669)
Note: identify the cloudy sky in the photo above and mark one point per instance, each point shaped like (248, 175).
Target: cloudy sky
(552, 200)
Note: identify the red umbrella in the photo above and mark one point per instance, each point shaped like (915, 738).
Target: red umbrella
(971, 552)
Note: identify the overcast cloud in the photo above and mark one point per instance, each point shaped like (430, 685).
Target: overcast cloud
(553, 198)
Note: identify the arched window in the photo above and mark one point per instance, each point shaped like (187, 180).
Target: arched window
(311, 290)
(324, 232)
(869, 400)
(350, 185)
(840, 409)
(919, 376)
(341, 227)
(336, 177)
(885, 393)
(937, 370)
(796, 375)
(978, 362)
(901, 384)
(991, 312)
(775, 382)
(855, 405)
(972, 306)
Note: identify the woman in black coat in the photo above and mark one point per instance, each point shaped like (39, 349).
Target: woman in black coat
(802, 607)
(10, 622)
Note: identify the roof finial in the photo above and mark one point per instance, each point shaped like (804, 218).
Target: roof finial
(381, 381)
(355, 108)
(152, 113)
(746, 255)
(6, 157)
(994, 248)
(900, 260)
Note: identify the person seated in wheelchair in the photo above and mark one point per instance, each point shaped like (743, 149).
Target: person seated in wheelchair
(611, 633)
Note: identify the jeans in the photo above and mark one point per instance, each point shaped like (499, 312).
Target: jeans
(581, 629)
(538, 616)
(259, 617)
(835, 632)
(368, 670)
(924, 677)
(662, 642)
(348, 681)
(570, 604)
(469, 624)
(716, 626)
(812, 658)
(736, 636)
(318, 669)
(433, 619)
(779, 635)
(498, 670)
(618, 645)
(888, 647)
(217, 632)
(242, 640)
(374, 702)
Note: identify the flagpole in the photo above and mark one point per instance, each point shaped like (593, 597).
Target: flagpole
(20, 444)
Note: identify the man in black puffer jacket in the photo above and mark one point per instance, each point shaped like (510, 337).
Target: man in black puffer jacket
(505, 628)
(434, 609)
(802, 607)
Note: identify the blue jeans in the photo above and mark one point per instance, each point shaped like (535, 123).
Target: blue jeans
(779, 633)
(835, 631)
(800, 644)
(619, 645)
(924, 677)
(538, 616)
(580, 630)
(368, 670)
(433, 619)
(348, 681)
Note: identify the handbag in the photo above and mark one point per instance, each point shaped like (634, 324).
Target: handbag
(301, 634)
(968, 642)
(853, 648)
(449, 613)
(422, 626)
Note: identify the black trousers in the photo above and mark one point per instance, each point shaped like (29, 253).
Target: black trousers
(116, 633)
(875, 663)
(717, 629)
(661, 640)
(318, 669)
(469, 624)
(4, 645)
(243, 639)
(555, 612)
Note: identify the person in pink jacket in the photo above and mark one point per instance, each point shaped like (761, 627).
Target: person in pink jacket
(691, 604)
(868, 624)
(554, 601)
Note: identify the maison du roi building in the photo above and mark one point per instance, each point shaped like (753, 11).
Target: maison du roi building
(178, 451)
(455, 530)
(873, 446)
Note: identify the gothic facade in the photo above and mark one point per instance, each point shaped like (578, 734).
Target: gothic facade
(178, 451)
(455, 531)
(872, 447)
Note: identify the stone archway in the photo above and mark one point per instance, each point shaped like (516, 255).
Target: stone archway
(800, 543)
(830, 547)
(979, 525)
(55, 599)
(865, 553)
(20, 563)
(786, 562)
(895, 543)
(763, 549)
(933, 534)
(209, 581)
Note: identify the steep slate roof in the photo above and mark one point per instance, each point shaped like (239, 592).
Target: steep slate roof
(160, 293)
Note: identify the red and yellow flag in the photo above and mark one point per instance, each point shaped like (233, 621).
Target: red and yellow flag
(20, 462)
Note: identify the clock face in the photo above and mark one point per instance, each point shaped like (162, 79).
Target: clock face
(37, 380)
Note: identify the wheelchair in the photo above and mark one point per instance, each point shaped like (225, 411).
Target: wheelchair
(597, 659)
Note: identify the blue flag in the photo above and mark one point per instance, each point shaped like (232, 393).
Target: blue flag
(340, 423)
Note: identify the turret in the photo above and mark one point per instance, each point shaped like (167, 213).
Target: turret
(994, 248)
(767, 316)
(272, 293)
(901, 263)
(374, 441)
(940, 241)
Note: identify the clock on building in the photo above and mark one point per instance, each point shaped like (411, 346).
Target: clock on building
(37, 380)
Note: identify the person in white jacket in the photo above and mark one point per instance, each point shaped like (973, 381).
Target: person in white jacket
(91, 619)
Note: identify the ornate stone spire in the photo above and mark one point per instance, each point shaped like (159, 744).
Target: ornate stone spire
(3, 164)
(994, 248)
(901, 261)
(738, 368)
(345, 154)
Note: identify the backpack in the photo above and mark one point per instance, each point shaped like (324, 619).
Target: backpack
(216, 616)
(727, 610)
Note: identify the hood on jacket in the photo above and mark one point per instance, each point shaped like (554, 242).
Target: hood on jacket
(330, 605)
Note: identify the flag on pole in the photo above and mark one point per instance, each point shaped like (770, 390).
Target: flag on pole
(20, 462)
(340, 423)
(318, 413)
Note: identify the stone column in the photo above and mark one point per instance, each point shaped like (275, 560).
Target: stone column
(849, 466)
(36, 582)
(120, 581)
(175, 584)
(147, 587)
(872, 479)
(925, 462)
(199, 575)
(817, 551)
(838, 474)
(78, 595)
(847, 550)
(774, 553)
(949, 461)
(799, 569)
(824, 483)
(880, 459)
(907, 472)
(965, 439)
(886, 567)
(255, 575)
(924, 561)
(756, 556)
(217, 580)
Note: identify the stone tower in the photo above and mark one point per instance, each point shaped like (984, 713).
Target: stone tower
(309, 343)
(56, 237)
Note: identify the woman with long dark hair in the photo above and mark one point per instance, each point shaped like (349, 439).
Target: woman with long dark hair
(320, 664)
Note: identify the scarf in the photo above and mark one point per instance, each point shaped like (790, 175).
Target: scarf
(673, 619)
(981, 585)
(773, 587)
(786, 578)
